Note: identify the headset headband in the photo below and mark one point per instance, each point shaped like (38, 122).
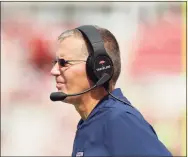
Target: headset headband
(93, 37)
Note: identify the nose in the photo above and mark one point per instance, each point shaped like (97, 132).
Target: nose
(55, 70)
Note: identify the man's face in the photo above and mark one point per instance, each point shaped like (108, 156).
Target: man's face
(71, 78)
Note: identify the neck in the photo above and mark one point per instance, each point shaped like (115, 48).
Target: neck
(89, 101)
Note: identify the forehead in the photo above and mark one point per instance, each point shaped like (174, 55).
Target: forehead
(69, 48)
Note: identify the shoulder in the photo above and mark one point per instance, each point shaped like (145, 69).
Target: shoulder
(127, 118)
(119, 110)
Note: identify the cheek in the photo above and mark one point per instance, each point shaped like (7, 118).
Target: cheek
(77, 78)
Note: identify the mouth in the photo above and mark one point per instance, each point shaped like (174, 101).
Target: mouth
(59, 85)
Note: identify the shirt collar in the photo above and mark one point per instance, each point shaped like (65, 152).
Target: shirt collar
(103, 103)
(117, 92)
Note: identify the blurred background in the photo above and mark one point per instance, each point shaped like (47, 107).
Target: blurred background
(152, 38)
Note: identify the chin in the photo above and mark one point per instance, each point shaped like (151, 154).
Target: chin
(72, 100)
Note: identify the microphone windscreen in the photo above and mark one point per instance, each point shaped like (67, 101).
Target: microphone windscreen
(58, 96)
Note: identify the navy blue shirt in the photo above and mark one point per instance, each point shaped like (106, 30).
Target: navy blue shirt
(116, 129)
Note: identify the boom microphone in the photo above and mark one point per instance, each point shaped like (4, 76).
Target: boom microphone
(59, 96)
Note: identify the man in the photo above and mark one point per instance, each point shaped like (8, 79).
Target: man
(109, 125)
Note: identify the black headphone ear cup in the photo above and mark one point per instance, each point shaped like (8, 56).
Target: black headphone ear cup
(103, 65)
(90, 70)
(96, 67)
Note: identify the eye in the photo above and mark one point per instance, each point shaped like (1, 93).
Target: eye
(62, 62)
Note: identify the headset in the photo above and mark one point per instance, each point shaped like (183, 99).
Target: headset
(99, 65)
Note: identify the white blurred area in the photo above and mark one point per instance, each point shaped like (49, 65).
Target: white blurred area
(152, 75)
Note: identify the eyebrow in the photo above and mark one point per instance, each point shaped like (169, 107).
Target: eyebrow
(56, 58)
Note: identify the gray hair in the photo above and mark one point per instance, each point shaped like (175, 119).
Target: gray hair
(76, 33)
